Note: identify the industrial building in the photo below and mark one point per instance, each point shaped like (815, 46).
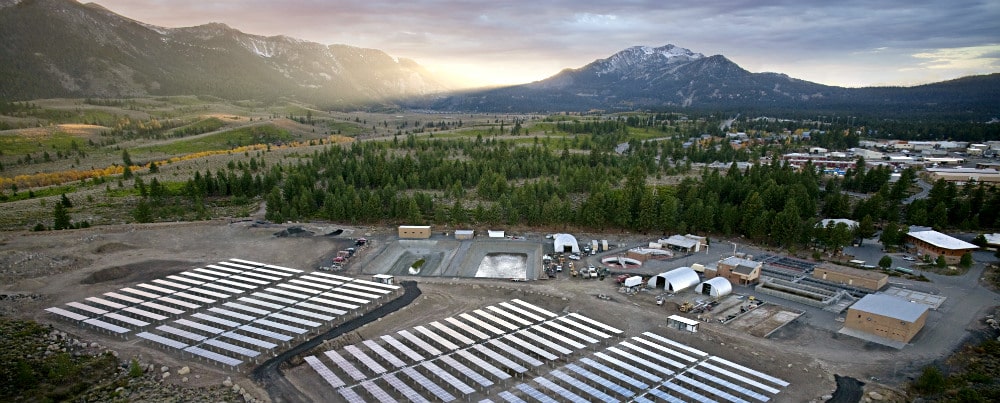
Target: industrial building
(715, 287)
(675, 280)
(414, 231)
(565, 243)
(936, 244)
(887, 317)
(866, 279)
(963, 175)
(737, 270)
(683, 243)
(644, 254)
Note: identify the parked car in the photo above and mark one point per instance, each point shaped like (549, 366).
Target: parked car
(574, 256)
(909, 258)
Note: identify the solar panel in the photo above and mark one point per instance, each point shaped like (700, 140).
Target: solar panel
(476, 321)
(247, 262)
(729, 385)
(562, 392)
(687, 393)
(408, 393)
(180, 332)
(87, 308)
(232, 314)
(614, 387)
(628, 367)
(522, 312)
(466, 328)
(758, 374)
(162, 308)
(232, 347)
(126, 319)
(570, 332)
(66, 314)
(510, 397)
(595, 323)
(615, 374)
(224, 268)
(532, 348)
(265, 332)
(216, 286)
(300, 289)
(156, 288)
(210, 318)
(493, 370)
(738, 377)
(213, 356)
(377, 393)
(178, 286)
(649, 364)
(238, 265)
(186, 280)
(207, 292)
(311, 284)
(535, 394)
(271, 272)
(384, 354)
(466, 371)
(125, 298)
(249, 340)
(675, 344)
(495, 319)
(370, 296)
(355, 285)
(516, 353)
(563, 339)
(589, 329)
(422, 380)
(664, 349)
(663, 395)
(640, 399)
(237, 284)
(271, 266)
(259, 302)
(148, 314)
(345, 298)
(180, 303)
(286, 301)
(310, 314)
(282, 326)
(493, 355)
(195, 298)
(651, 354)
(251, 309)
(412, 355)
(374, 284)
(541, 341)
(535, 308)
(448, 345)
(509, 315)
(350, 396)
(333, 276)
(295, 295)
(140, 293)
(250, 280)
(321, 308)
(365, 359)
(295, 319)
(322, 280)
(333, 303)
(198, 276)
(324, 372)
(199, 326)
(419, 342)
(451, 332)
(261, 276)
(212, 272)
(106, 326)
(162, 340)
(447, 377)
(346, 366)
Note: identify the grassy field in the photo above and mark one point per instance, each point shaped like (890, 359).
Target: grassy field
(244, 136)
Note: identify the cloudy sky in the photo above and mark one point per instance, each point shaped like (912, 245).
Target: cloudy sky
(848, 43)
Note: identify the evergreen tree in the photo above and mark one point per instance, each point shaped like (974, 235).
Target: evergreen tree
(65, 201)
(60, 217)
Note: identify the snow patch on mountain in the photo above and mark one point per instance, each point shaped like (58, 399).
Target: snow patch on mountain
(638, 58)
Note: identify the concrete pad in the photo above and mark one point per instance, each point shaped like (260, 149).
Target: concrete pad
(931, 300)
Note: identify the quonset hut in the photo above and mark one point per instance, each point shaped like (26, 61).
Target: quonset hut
(715, 287)
(563, 242)
(675, 280)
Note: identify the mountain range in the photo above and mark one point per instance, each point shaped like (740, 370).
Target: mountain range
(61, 48)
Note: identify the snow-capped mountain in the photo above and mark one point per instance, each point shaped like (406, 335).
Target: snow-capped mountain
(639, 59)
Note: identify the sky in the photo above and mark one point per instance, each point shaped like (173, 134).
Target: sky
(850, 43)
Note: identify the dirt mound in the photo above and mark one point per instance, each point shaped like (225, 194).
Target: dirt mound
(293, 232)
(137, 271)
(113, 247)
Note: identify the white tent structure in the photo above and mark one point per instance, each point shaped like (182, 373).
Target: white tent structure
(715, 287)
(563, 241)
(675, 280)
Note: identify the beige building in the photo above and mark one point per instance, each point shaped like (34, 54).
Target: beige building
(415, 231)
(887, 316)
(871, 280)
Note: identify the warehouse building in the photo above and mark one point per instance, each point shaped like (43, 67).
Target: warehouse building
(887, 317)
(936, 244)
(414, 231)
(866, 279)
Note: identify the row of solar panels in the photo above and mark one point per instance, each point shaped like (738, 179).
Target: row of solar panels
(232, 324)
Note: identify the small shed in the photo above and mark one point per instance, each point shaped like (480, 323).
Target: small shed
(464, 234)
(415, 231)
(565, 243)
(383, 278)
(675, 280)
(681, 323)
(633, 281)
(495, 233)
(715, 287)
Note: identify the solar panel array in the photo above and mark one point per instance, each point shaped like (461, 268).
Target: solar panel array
(228, 312)
(497, 354)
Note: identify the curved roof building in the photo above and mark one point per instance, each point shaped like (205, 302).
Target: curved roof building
(675, 280)
(563, 241)
(715, 287)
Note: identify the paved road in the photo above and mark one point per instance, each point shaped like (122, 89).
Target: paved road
(925, 189)
(280, 390)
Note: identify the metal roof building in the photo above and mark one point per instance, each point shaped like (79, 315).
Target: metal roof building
(563, 241)
(936, 244)
(888, 318)
(675, 280)
(715, 287)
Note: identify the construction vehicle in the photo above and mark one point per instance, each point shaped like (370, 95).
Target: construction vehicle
(572, 271)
